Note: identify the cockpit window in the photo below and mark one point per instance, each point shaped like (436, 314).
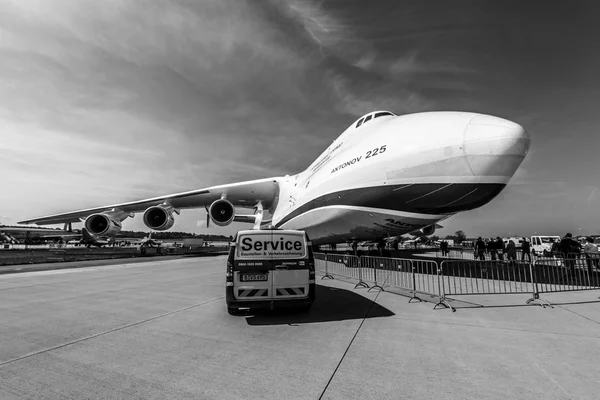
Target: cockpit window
(368, 117)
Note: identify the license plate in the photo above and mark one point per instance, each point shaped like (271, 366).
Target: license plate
(254, 277)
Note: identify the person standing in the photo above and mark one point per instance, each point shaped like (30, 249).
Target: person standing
(480, 249)
(511, 252)
(394, 247)
(381, 247)
(444, 248)
(568, 248)
(491, 246)
(355, 247)
(591, 254)
(553, 248)
(500, 248)
(525, 250)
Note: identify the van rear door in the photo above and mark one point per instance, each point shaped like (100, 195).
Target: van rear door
(252, 277)
(271, 265)
(291, 269)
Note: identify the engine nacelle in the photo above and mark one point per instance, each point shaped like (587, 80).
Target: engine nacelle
(428, 230)
(102, 224)
(221, 212)
(159, 218)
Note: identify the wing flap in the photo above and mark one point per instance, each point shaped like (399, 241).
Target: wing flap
(242, 194)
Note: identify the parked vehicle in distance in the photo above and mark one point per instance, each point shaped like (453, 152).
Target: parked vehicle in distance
(542, 245)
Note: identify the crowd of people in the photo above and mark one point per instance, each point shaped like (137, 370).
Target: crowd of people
(497, 249)
(567, 248)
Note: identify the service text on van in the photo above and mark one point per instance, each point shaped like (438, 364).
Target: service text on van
(248, 244)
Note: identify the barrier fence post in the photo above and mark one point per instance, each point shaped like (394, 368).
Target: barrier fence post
(360, 283)
(375, 277)
(414, 283)
(442, 290)
(327, 274)
(535, 296)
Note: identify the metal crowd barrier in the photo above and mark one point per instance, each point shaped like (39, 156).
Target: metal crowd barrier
(417, 276)
(321, 263)
(383, 272)
(343, 265)
(574, 272)
(465, 277)
(426, 277)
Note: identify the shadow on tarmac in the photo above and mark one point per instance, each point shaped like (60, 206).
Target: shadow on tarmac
(331, 304)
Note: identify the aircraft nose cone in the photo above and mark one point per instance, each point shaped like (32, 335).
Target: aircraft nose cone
(494, 146)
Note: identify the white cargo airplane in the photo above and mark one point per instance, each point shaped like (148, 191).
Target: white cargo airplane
(386, 175)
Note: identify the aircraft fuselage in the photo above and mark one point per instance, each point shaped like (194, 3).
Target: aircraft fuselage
(395, 174)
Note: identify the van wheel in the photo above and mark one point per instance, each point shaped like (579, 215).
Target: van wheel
(232, 310)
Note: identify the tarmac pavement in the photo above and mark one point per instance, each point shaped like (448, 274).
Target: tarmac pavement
(160, 330)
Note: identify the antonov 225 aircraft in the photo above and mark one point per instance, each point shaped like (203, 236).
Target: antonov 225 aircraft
(386, 175)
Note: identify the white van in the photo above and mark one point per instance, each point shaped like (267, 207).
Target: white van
(542, 245)
(270, 268)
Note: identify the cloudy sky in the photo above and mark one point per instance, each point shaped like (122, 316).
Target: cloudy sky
(110, 101)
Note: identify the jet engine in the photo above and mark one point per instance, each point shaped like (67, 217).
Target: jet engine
(221, 212)
(102, 224)
(428, 230)
(159, 218)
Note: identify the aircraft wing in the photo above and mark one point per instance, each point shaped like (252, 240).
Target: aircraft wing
(242, 194)
(38, 232)
(63, 237)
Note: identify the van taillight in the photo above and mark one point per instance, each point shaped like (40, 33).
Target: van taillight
(229, 273)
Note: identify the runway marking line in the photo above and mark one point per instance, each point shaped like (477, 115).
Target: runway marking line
(109, 331)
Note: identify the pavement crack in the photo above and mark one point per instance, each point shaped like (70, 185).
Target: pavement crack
(109, 331)
(579, 315)
(373, 302)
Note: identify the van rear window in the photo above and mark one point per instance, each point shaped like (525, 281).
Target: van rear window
(274, 245)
